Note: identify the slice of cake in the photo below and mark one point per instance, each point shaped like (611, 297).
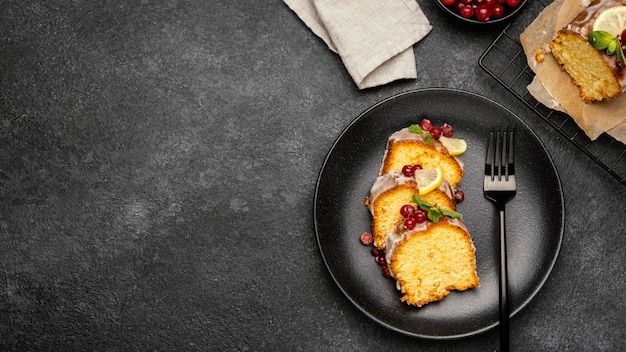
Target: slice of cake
(393, 190)
(431, 260)
(408, 148)
(598, 76)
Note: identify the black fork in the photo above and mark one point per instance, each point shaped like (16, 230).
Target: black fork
(499, 187)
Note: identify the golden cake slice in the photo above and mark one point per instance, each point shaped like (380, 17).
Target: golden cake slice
(431, 260)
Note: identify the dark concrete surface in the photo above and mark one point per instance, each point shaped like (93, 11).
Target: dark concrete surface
(158, 162)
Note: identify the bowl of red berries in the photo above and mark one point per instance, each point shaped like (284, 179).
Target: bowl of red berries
(482, 11)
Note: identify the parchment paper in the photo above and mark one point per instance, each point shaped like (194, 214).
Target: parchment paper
(593, 118)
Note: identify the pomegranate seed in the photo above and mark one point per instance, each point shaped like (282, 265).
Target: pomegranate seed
(367, 238)
(409, 223)
(406, 210)
(459, 196)
(381, 260)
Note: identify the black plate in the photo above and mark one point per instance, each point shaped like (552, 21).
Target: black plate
(535, 216)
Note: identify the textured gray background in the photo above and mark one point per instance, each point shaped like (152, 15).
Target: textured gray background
(158, 162)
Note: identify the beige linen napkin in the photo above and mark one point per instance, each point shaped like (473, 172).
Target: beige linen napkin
(373, 38)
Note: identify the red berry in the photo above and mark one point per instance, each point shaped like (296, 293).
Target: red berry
(420, 216)
(386, 272)
(407, 210)
(425, 124)
(415, 168)
(497, 10)
(483, 12)
(376, 252)
(436, 131)
(512, 3)
(466, 11)
(409, 223)
(489, 3)
(407, 170)
(367, 238)
(459, 196)
(381, 260)
(448, 2)
(447, 130)
(623, 35)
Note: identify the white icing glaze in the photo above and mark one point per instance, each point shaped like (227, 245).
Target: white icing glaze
(396, 178)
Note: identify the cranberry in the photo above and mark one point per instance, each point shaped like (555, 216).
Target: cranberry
(497, 10)
(376, 252)
(512, 3)
(386, 272)
(459, 196)
(420, 216)
(466, 11)
(425, 124)
(623, 35)
(447, 130)
(619, 64)
(489, 3)
(410, 223)
(381, 260)
(483, 12)
(415, 168)
(448, 2)
(436, 131)
(407, 170)
(367, 238)
(407, 210)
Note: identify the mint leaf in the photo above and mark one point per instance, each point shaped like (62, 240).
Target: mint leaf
(434, 215)
(434, 212)
(610, 50)
(620, 54)
(422, 203)
(416, 129)
(600, 39)
(429, 138)
(451, 213)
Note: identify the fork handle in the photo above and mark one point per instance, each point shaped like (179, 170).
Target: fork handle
(504, 298)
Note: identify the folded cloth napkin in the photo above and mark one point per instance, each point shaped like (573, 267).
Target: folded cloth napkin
(373, 38)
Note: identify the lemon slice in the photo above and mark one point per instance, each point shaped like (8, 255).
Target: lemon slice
(455, 146)
(428, 179)
(612, 20)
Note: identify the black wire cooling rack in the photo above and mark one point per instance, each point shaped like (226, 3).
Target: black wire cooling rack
(506, 62)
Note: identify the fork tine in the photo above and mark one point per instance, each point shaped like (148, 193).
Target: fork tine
(500, 155)
(510, 163)
(489, 160)
(502, 160)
